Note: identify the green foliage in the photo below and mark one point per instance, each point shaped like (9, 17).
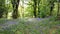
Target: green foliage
(43, 5)
(2, 20)
(55, 9)
(2, 8)
(44, 8)
(25, 26)
(28, 11)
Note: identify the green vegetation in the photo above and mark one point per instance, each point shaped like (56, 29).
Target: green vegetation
(29, 16)
(38, 27)
(29, 8)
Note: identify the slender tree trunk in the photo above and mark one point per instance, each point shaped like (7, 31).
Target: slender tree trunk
(51, 7)
(58, 12)
(58, 8)
(35, 3)
(38, 9)
(15, 4)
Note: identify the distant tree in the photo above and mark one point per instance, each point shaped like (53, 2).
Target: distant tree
(15, 4)
(51, 7)
(7, 8)
(35, 5)
(38, 8)
(58, 12)
(58, 6)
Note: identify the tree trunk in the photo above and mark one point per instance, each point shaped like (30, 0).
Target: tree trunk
(51, 7)
(35, 8)
(38, 9)
(58, 12)
(15, 4)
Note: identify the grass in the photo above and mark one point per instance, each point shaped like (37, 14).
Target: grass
(46, 26)
(2, 20)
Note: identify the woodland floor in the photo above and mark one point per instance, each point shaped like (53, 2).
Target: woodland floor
(32, 25)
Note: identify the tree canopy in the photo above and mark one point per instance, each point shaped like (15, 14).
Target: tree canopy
(28, 8)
